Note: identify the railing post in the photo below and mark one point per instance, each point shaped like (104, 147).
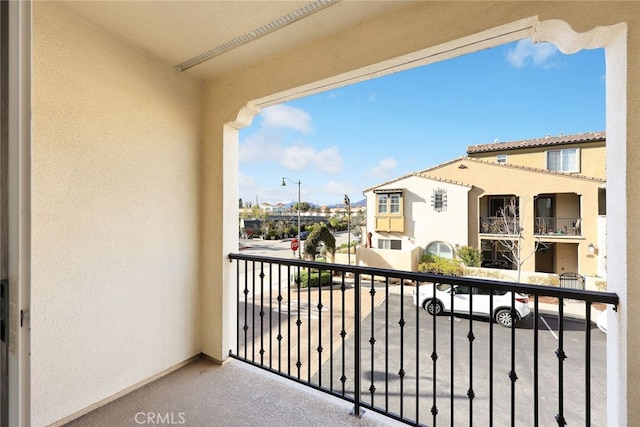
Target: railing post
(356, 354)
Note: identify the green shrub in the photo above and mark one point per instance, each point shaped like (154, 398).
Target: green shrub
(470, 256)
(438, 265)
(305, 280)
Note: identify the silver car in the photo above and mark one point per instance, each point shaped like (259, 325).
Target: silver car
(464, 296)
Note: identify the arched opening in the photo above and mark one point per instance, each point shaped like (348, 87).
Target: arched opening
(559, 33)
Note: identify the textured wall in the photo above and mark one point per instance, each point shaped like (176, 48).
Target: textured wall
(115, 216)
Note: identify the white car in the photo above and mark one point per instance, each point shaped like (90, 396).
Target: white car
(462, 296)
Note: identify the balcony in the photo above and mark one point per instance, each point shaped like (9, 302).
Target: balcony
(498, 225)
(558, 226)
(543, 226)
(354, 342)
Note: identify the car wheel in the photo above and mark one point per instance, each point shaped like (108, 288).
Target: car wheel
(433, 307)
(504, 317)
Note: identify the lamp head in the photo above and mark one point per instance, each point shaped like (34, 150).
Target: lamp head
(284, 184)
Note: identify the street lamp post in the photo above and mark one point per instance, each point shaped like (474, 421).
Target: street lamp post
(284, 184)
(347, 202)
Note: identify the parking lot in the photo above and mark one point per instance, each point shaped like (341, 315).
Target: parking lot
(461, 365)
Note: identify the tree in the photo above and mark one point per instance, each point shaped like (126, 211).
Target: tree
(509, 225)
(471, 257)
(358, 220)
(255, 211)
(304, 206)
(319, 233)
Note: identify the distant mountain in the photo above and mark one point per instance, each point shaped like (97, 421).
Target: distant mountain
(362, 202)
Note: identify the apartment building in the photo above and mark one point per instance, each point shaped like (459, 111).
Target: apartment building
(557, 187)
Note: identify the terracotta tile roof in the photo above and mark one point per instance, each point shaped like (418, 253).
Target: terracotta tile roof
(429, 173)
(538, 142)
(419, 174)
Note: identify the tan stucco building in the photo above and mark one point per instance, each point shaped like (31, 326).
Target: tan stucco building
(462, 202)
(562, 202)
(558, 213)
(120, 168)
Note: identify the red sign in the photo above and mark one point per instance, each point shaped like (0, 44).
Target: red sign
(294, 245)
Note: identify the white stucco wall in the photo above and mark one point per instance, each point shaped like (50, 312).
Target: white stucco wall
(115, 223)
(423, 224)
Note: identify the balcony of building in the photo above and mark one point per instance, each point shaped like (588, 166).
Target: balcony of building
(317, 343)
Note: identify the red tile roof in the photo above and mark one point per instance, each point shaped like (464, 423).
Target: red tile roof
(538, 142)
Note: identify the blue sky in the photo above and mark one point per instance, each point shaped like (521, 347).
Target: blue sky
(349, 139)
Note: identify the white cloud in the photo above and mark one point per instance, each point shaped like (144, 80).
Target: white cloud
(245, 182)
(264, 148)
(339, 189)
(383, 169)
(299, 157)
(296, 157)
(259, 147)
(284, 116)
(526, 53)
(329, 160)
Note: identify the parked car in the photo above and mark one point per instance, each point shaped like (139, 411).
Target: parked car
(462, 296)
(303, 235)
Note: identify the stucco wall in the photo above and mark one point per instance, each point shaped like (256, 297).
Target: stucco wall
(423, 224)
(115, 216)
(492, 179)
(592, 157)
(405, 260)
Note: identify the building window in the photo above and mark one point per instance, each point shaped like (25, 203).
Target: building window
(501, 158)
(566, 160)
(441, 249)
(394, 244)
(383, 202)
(389, 203)
(439, 200)
(394, 203)
(389, 215)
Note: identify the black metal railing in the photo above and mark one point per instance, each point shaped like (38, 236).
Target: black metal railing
(558, 226)
(358, 335)
(543, 226)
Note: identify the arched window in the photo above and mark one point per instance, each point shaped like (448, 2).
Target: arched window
(440, 249)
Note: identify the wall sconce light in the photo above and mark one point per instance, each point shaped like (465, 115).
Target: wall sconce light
(592, 248)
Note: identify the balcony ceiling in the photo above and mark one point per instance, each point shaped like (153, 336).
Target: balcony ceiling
(177, 31)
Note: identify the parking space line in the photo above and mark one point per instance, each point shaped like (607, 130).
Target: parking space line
(548, 327)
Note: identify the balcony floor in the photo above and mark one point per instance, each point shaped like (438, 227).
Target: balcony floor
(204, 393)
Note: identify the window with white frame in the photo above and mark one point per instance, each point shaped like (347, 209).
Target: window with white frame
(389, 203)
(389, 215)
(565, 160)
(501, 158)
(395, 244)
(383, 203)
(440, 249)
(394, 203)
